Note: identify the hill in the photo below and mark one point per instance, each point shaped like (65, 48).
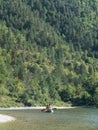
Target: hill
(48, 52)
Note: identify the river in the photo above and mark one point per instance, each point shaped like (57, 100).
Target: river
(66, 119)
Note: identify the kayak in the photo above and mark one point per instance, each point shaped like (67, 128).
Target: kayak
(49, 111)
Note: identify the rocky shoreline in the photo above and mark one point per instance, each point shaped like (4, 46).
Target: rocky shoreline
(35, 107)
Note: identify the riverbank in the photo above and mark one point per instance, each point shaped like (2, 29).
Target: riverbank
(35, 107)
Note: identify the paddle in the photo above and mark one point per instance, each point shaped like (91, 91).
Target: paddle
(43, 110)
(54, 108)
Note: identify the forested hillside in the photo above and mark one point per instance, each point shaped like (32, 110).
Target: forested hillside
(48, 52)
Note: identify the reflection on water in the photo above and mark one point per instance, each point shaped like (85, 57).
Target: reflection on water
(68, 119)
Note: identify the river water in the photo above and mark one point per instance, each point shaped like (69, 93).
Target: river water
(67, 119)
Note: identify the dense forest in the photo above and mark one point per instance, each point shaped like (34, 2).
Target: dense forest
(48, 52)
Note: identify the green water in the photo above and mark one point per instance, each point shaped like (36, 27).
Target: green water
(68, 119)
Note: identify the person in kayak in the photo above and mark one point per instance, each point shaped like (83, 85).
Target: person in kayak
(49, 107)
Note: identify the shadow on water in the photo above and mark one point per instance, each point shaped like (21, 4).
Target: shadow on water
(68, 119)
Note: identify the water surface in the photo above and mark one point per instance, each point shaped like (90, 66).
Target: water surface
(68, 119)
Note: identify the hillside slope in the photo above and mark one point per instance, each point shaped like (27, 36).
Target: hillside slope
(48, 52)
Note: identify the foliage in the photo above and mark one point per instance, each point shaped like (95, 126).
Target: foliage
(49, 51)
